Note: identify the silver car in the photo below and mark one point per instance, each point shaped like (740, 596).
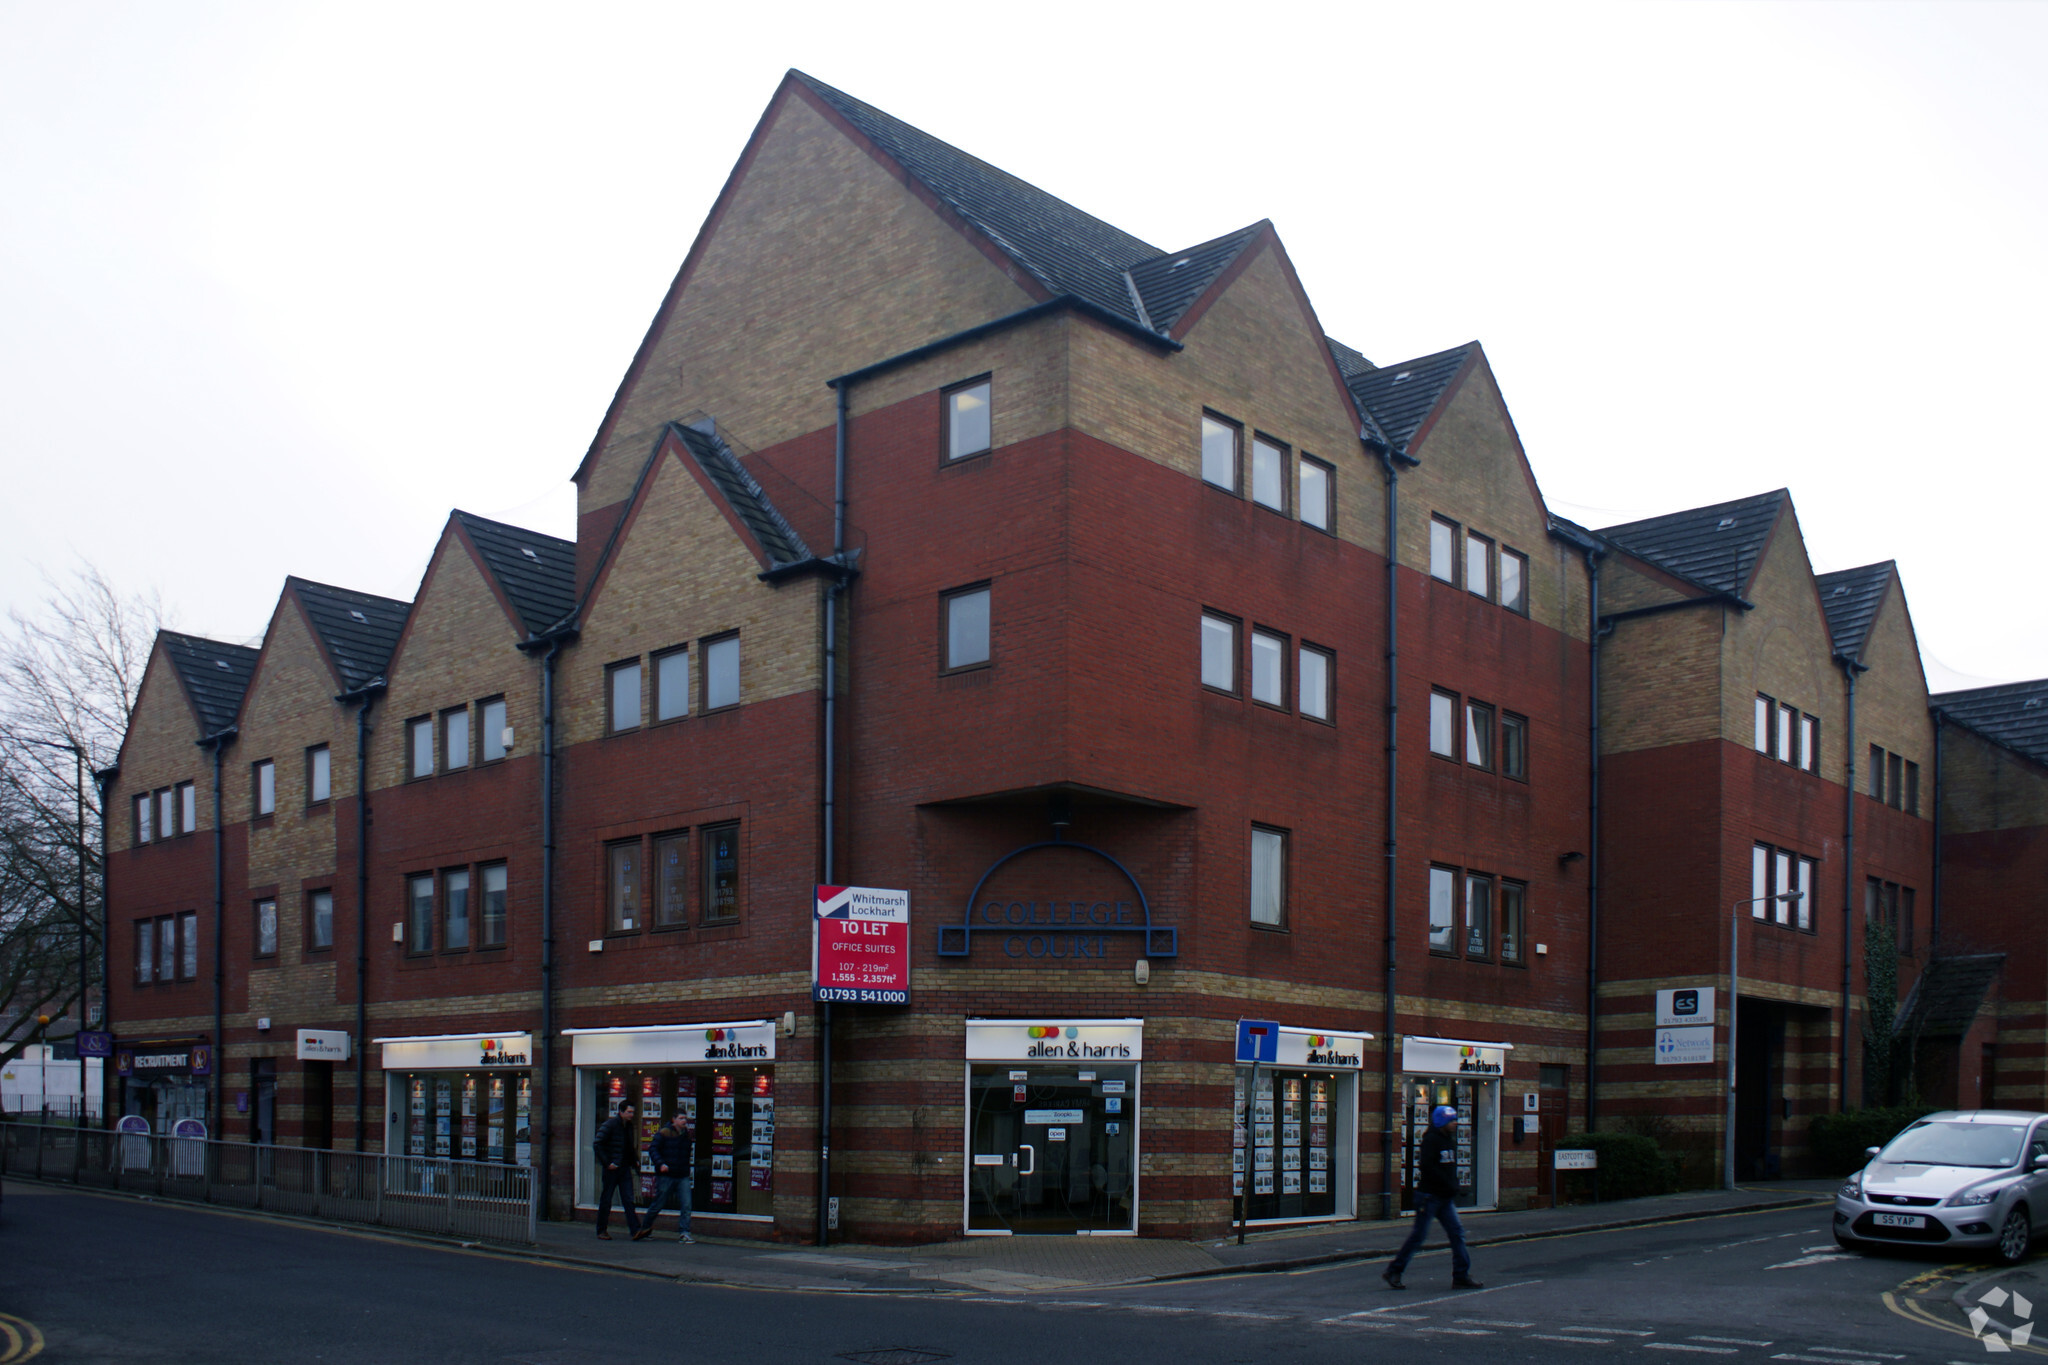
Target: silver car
(1964, 1179)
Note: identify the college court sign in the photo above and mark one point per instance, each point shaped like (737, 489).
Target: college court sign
(1059, 929)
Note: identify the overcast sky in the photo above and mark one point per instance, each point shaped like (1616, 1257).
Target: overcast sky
(280, 284)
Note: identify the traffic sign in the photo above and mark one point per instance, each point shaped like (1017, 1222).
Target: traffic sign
(1258, 1041)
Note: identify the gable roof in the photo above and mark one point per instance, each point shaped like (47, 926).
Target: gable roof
(214, 675)
(1168, 285)
(2013, 715)
(1066, 251)
(1401, 397)
(536, 573)
(356, 629)
(1349, 361)
(1850, 597)
(1716, 547)
(749, 502)
(1945, 1000)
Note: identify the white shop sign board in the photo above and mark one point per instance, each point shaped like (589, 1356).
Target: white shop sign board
(1055, 1040)
(1306, 1048)
(456, 1051)
(749, 1040)
(1685, 1046)
(1454, 1057)
(1683, 1005)
(323, 1045)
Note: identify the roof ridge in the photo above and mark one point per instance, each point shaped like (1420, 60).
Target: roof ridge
(476, 519)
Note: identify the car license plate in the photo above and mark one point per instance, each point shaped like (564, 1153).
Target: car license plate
(1898, 1220)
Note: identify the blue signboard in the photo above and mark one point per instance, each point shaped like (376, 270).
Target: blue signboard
(1258, 1040)
(92, 1043)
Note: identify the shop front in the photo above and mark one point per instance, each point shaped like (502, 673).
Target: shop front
(1052, 1126)
(1465, 1075)
(720, 1076)
(463, 1096)
(165, 1080)
(1296, 1127)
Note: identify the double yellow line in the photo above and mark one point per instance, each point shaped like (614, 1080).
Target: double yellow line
(1905, 1301)
(19, 1340)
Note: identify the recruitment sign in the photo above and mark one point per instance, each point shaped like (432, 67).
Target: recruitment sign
(860, 946)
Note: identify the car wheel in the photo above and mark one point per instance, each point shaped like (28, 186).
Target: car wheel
(2015, 1235)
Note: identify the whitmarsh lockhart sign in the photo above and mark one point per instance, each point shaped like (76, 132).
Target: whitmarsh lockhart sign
(860, 946)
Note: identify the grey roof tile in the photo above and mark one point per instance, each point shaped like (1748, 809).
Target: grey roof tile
(1945, 1000)
(1401, 397)
(214, 675)
(1349, 362)
(1716, 547)
(358, 630)
(537, 573)
(784, 546)
(1170, 284)
(2014, 715)
(1850, 597)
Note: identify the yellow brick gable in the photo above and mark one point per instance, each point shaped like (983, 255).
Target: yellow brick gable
(158, 751)
(1783, 649)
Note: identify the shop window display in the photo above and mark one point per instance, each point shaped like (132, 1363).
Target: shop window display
(1423, 1096)
(469, 1116)
(1286, 1132)
(731, 1111)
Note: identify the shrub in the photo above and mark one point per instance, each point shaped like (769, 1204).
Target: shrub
(1837, 1141)
(1631, 1165)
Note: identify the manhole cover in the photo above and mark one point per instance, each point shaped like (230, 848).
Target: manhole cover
(896, 1355)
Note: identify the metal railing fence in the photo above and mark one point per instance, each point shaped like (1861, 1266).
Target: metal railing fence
(472, 1200)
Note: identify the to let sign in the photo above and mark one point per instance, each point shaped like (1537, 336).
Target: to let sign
(860, 948)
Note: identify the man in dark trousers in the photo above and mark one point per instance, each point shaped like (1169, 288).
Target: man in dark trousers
(675, 1168)
(618, 1165)
(1436, 1195)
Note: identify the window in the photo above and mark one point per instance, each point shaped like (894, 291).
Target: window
(622, 900)
(1895, 779)
(319, 775)
(672, 889)
(1219, 452)
(145, 951)
(1906, 921)
(1514, 581)
(188, 807)
(722, 874)
(1809, 882)
(491, 921)
(1219, 653)
(455, 909)
(1760, 881)
(494, 723)
(419, 915)
(1910, 803)
(166, 813)
(1765, 709)
(1443, 914)
(188, 945)
(1892, 905)
(143, 823)
(1318, 486)
(1269, 876)
(1781, 882)
(1512, 896)
(966, 627)
(722, 672)
(455, 738)
(1479, 566)
(1514, 746)
(1478, 916)
(967, 425)
(1479, 734)
(1269, 474)
(672, 684)
(1269, 668)
(1443, 724)
(1809, 743)
(419, 747)
(266, 788)
(319, 919)
(1788, 735)
(1317, 668)
(1876, 773)
(1443, 540)
(622, 696)
(266, 928)
(167, 948)
(1772, 873)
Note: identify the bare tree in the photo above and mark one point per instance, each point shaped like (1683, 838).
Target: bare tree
(69, 673)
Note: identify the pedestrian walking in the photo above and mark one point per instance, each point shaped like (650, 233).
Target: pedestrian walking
(618, 1163)
(1436, 1195)
(675, 1170)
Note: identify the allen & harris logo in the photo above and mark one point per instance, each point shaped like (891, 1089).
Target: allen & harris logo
(1322, 1051)
(1470, 1059)
(723, 1044)
(495, 1053)
(1047, 1043)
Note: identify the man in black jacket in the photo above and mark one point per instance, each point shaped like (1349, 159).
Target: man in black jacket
(618, 1167)
(1436, 1196)
(675, 1168)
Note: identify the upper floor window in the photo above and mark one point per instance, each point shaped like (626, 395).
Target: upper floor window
(1318, 488)
(672, 881)
(967, 420)
(167, 813)
(1479, 734)
(966, 627)
(455, 909)
(266, 787)
(722, 672)
(622, 696)
(491, 907)
(1219, 653)
(145, 824)
(1781, 886)
(1269, 668)
(1512, 896)
(1809, 743)
(266, 928)
(1443, 549)
(672, 684)
(1479, 566)
(1220, 439)
(622, 899)
(1269, 876)
(1895, 779)
(455, 738)
(1514, 581)
(319, 920)
(1909, 801)
(721, 874)
(1443, 910)
(319, 775)
(419, 913)
(1478, 916)
(1317, 670)
(145, 951)
(188, 807)
(1892, 905)
(496, 728)
(419, 747)
(1269, 473)
(1514, 746)
(1443, 724)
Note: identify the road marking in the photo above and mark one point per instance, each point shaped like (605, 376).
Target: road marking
(22, 1338)
(1354, 1320)
(1681, 1346)
(1810, 1360)
(1074, 1303)
(1610, 1331)
(1491, 1322)
(1731, 1341)
(1161, 1308)
(1240, 1313)
(1863, 1355)
(1814, 1260)
(1460, 1331)
(1461, 1294)
(1584, 1341)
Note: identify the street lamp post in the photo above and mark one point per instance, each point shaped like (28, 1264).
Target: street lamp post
(1734, 982)
(78, 759)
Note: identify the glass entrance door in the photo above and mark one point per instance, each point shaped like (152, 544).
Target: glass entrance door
(1051, 1149)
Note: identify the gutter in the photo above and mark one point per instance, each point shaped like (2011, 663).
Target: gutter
(1850, 668)
(551, 642)
(104, 779)
(1065, 303)
(218, 742)
(362, 697)
(1594, 551)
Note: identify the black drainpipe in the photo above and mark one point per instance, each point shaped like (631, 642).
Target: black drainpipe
(547, 917)
(362, 697)
(1850, 668)
(1593, 856)
(218, 742)
(104, 780)
(1389, 1095)
(1934, 923)
(829, 797)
